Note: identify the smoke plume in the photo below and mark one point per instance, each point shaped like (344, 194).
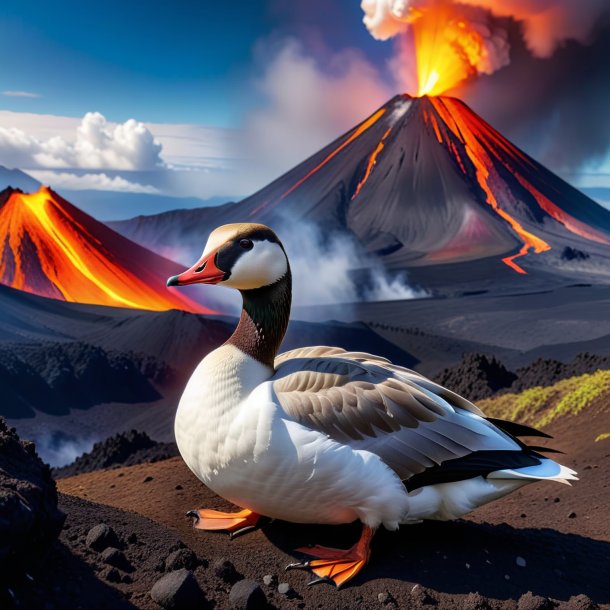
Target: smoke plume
(551, 97)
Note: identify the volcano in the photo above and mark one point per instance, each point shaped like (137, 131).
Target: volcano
(421, 182)
(51, 248)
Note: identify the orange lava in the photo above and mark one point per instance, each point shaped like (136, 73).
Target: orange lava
(52, 249)
(447, 47)
(462, 124)
(355, 134)
(371, 163)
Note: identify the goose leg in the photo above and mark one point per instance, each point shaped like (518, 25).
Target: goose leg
(234, 523)
(337, 565)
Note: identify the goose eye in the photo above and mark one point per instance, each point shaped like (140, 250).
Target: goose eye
(246, 244)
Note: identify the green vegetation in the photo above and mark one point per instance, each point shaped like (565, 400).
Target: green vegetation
(539, 406)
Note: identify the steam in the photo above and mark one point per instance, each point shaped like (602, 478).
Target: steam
(327, 269)
(59, 449)
(333, 269)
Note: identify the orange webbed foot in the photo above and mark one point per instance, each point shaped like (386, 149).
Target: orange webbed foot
(215, 521)
(337, 566)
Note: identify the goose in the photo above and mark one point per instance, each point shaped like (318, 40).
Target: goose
(328, 436)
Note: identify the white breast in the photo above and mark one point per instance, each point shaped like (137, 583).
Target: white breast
(210, 428)
(237, 440)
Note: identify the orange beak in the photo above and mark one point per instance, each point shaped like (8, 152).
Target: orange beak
(204, 271)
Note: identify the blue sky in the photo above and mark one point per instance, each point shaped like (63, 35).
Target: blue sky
(183, 61)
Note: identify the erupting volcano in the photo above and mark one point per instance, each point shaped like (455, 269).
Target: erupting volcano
(425, 181)
(53, 249)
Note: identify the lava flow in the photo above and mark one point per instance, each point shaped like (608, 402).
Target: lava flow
(52, 249)
(482, 144)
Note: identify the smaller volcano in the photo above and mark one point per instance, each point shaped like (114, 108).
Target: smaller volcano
(51, 248)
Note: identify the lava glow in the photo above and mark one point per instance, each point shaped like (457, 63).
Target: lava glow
(371, 163)
(463, 128)
(52, 249)
(447, 48)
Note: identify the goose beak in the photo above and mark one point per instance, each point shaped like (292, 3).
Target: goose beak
(204, 271)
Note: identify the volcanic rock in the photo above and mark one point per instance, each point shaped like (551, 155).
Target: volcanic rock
(225, 570)
(573, 254)
(477, 376)
(178, 590)
(247, 595)
(182, 558)
(57, 377)
(123, 449)
(100, 537)
(115, 557)
(545, 372)
(29, 518)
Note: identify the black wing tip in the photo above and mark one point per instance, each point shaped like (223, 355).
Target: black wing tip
(517, 429)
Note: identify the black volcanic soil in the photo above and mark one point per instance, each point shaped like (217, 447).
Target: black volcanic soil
(561, 532)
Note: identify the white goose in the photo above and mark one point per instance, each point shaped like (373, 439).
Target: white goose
(321, 435)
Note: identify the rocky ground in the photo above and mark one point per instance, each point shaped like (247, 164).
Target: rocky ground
(127, 544)
(547, 546)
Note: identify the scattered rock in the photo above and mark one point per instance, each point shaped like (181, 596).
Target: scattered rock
(178, 590)
(148, 479)
(30, 520)
(475, 601)
(101, 536)
(556, 499)
(178, 487)
(225, 570)
(572, 515)
(384, 598)
(114, 557)
(247, 595)
(520, 561)
(284, 588)
(182, 558)
(529, 601)
(111, 574)
(269, 579)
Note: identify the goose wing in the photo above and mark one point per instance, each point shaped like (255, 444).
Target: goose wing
(368, 403)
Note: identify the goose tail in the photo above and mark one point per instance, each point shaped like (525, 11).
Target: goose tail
(546, 470)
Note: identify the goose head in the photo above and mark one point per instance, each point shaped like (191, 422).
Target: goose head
(243, 256)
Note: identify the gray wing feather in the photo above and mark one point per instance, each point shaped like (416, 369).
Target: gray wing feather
(365, 401)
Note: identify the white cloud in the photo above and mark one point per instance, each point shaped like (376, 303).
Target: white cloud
(98, 182)
(96, 144)
(21, 94)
